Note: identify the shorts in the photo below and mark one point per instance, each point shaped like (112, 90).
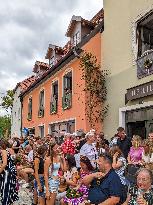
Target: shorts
(53, 185)
(42, 182)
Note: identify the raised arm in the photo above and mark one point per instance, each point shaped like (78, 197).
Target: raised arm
(36, 168)
(4, 160)
(46, 174)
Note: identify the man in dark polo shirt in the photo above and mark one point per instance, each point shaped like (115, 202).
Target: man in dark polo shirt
(123, 142)
(105, 185)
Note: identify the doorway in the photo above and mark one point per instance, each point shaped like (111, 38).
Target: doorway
(136, 128)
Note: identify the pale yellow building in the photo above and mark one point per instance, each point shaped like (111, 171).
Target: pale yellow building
(127, 43)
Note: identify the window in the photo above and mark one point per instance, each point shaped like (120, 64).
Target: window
(55, 90)
(144, 39)
(41, 131)
(76, 38)
(51, 61)
(29, 117)
(67, 81)
(145, 34)
(67, 91)
(54, 98)
(41, 104)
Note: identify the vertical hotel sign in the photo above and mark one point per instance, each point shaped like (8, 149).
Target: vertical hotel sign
(139, 91)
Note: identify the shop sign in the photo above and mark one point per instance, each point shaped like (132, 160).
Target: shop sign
(140, 91)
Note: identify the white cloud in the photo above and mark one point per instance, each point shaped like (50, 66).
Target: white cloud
(27, 27)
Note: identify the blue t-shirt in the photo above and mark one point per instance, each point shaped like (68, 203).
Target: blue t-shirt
(109, 186)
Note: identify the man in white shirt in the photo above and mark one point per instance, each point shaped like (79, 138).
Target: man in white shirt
(89, 149)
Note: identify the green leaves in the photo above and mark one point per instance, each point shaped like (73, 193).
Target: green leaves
(95, 87)
(5, 125)
(7, 100)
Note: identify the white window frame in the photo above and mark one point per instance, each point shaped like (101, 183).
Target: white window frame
(66, 72)
(76, 38)
(134, 24)
(39, 126)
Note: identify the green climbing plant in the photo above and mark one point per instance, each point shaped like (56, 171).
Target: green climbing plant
(95, 88)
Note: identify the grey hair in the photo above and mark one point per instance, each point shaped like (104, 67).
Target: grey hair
(147, 171)
(90, 133)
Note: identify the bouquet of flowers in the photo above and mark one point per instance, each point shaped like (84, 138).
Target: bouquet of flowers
(72, 193)
(68, 147)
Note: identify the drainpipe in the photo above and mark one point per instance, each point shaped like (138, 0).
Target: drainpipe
(21, 100)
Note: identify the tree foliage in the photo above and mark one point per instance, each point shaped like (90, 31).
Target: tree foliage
(5, 126)
(7, 100)
(95, 88)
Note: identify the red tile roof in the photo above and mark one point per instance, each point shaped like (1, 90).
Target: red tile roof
(51, 48)
(98, 17)
(73, 21)
(44, 66)
(26, 83)
(63, 51)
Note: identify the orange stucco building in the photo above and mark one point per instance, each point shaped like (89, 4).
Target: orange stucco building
(55, 102)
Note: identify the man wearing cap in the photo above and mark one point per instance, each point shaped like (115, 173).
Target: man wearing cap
(105, 185)
(88, 149)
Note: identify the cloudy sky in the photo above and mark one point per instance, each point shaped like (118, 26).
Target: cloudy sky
(27, 28)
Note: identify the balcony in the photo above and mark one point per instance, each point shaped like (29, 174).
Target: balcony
(41, 112)
(53, 106)
(67, 101)
(145, 64)
(29, 117)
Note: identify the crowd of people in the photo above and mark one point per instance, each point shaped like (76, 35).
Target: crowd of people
(78, 169)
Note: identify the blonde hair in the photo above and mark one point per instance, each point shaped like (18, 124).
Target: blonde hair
(147, 143)
(137, 140)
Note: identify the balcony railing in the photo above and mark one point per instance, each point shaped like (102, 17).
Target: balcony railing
(67, 101)
(41, 112)
(145, 64)
(53, 106)
(29, 117)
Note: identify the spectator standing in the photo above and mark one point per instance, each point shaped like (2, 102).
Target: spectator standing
(39, 174)
(53, 163)
(123, 142)
(8, 174)
(136, 151)
(89, 149)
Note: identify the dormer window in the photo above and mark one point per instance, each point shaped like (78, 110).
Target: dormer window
(40, 68)
(52, 61)
(78, 28)
(76, 38)
(54, 54)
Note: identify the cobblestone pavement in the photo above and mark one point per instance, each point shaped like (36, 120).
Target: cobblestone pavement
(25, 195)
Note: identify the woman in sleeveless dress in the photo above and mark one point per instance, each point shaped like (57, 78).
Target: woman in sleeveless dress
(39, 174)
(8, 181)
(52, 165)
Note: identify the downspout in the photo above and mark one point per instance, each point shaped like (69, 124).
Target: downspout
(21, 100)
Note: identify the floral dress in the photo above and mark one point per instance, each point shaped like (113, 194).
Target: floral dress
(134, 192)
(8, 182)
(77, 196)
